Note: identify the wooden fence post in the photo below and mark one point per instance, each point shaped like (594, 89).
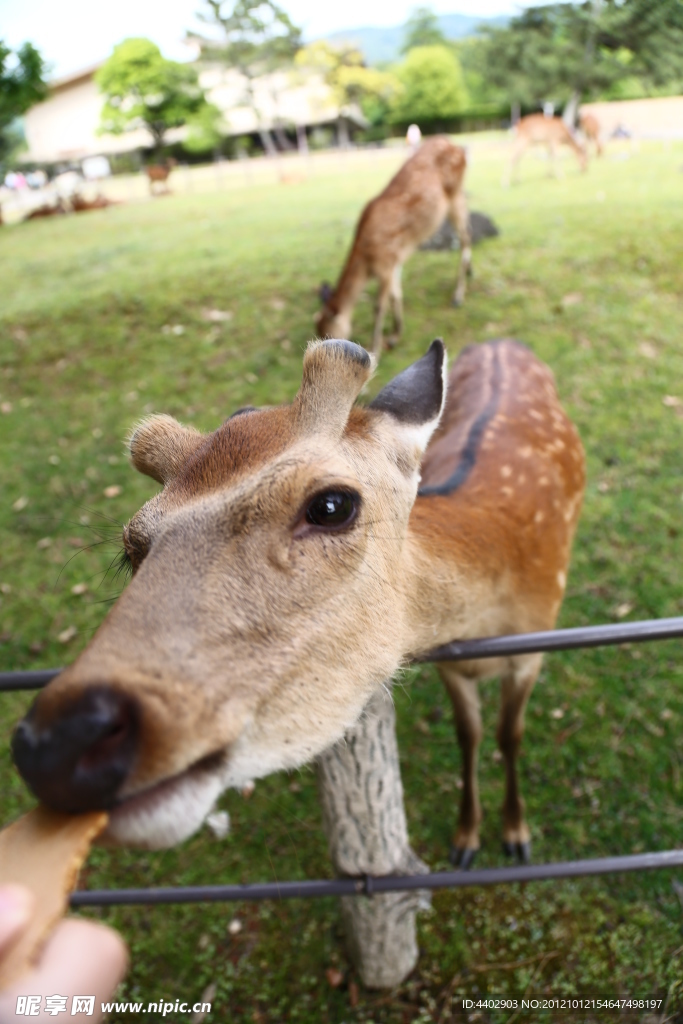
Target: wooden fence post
(364, 819)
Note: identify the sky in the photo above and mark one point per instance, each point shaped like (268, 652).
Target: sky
(75, 34)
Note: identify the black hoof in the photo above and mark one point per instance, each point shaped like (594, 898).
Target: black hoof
(457, 303)
(470, 272)
(462, 858)
(521, 851)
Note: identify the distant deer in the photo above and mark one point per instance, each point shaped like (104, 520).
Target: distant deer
(540, 130)
(158, 175)
(291, 565)
(590, 126)
(415, 203)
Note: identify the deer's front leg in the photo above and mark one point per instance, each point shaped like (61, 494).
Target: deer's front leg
(380, 314)
(515, 688)
(396, 299)
(460, 217)
(465, 699)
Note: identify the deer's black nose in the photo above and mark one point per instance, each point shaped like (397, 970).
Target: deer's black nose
(79, 761)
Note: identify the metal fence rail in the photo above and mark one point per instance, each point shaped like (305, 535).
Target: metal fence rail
(461, 650)
(527, 643)
(367, 885)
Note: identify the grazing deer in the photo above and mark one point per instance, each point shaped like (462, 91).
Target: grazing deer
(415, 203)
(590, 126)
(158, 175)
(290, 565)
(539, 130)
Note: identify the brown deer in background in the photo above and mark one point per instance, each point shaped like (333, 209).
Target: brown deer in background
(294, 560)
(415, 203)
(541, 130)
(590, 126)
(158, 174)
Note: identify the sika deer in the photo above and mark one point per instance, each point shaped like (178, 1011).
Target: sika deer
(158, 174)
(290, 565)
(590, 126)
(539, 130)
(415, 203)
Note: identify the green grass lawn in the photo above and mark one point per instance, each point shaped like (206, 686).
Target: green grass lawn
(101, 321)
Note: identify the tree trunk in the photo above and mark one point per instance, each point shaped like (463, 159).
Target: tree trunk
(269, 146)
(365, 823)
(343, 140)
(301, 140)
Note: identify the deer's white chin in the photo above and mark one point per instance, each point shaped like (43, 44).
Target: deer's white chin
(174, 809)
(167, 813)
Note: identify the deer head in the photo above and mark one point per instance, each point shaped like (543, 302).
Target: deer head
(331, 322)
(266, 605)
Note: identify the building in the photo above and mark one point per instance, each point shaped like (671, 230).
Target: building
(64, 127)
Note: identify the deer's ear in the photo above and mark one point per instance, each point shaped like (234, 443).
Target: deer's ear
(159, 446)
(334, 373)
(416, 397)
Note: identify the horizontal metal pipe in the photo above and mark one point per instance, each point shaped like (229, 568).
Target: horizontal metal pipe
(27, 680)
(387, 883)
(558, 640)
(465, 650)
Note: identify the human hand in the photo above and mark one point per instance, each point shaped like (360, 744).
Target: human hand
(79, 958)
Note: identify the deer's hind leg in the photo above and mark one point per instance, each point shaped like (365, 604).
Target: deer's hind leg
(460, 217)
(465, 699)
(515, 689)
(519, 147)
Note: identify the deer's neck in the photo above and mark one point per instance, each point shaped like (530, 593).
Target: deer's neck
(351, 283)
(442, 584)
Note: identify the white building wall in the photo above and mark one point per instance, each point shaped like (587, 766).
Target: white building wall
(64, 127)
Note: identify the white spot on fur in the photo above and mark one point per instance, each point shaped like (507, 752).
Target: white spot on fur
(506, 471)
(561, 579)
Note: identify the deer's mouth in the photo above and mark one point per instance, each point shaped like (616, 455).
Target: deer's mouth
(169, 811)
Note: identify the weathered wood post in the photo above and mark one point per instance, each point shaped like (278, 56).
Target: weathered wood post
(365, 823)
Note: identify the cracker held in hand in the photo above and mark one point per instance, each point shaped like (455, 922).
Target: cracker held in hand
(43, 851)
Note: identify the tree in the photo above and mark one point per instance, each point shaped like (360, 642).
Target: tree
(143, 87)
(422, 29)
(584, 48)
(433, 86)
(22, 83)
(256, 37)
(344, 70)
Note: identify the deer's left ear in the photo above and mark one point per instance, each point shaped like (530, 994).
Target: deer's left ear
(416, 397)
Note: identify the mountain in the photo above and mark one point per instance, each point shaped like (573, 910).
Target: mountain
(381, 45)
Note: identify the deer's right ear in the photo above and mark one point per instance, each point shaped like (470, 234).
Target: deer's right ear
(159, 446)
(416, 397)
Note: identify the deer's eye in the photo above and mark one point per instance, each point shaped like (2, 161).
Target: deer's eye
(333, 509)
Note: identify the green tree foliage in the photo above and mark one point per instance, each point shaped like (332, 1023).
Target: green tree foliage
(344, 70)
(255, 37)
(433, 86)
(142, 87)
(553, 51)
(422, 29)
(22, 83)
(472, 53)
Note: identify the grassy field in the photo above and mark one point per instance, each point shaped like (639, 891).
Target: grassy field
(103, 319)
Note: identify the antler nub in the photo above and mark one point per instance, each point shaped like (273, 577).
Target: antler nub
(159, 446)
(334, 374)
